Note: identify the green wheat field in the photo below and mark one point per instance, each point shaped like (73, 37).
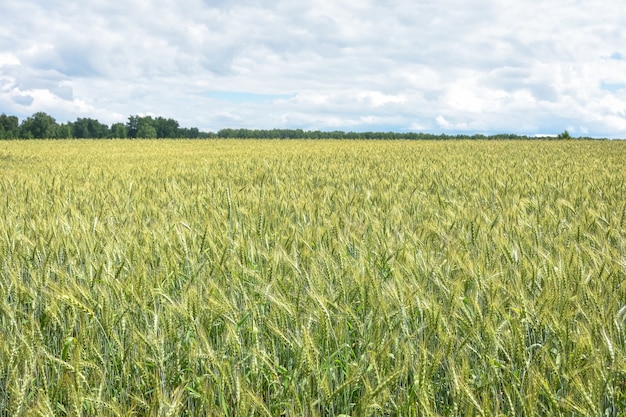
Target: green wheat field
(312, 278)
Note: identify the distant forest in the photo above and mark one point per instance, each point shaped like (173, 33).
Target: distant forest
(43, 126)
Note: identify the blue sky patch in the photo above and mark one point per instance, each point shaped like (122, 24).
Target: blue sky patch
(612, 87)
(23, 100)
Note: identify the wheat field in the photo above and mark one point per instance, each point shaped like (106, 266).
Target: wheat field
(312, 278)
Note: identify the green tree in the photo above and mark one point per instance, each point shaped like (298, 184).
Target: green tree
(564, 135)
(141, 127)
(132, 126)
(89, 128)
(145, 130)
(39, 126)
(166, 128)
(193, 133)
(63, 131)
(80, 129)
(9, 126)
(118, 131)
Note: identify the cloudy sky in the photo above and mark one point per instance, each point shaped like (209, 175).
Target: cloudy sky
(439, 66)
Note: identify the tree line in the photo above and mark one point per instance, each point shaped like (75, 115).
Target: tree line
(43, 126)
(338, 134)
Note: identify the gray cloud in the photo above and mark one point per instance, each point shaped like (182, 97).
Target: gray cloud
(452, 65)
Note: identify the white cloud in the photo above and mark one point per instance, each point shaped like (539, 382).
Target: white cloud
(448, 65)
(8, 59)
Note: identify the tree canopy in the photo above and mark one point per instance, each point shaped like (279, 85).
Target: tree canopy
(41, 125)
